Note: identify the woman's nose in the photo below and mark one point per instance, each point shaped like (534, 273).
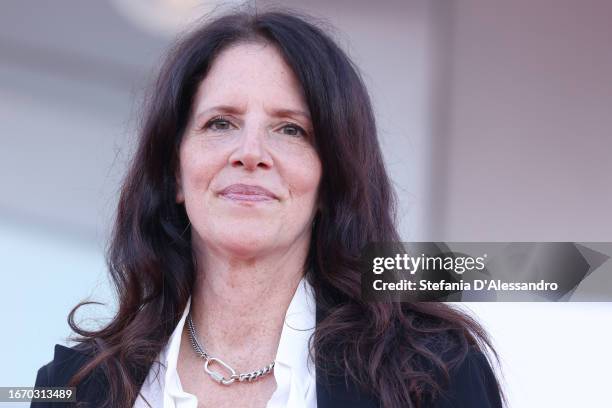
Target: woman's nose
(251, 153)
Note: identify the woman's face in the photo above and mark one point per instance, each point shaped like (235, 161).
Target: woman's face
(249, 172)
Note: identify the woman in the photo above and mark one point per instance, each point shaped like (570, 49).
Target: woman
(257, 181)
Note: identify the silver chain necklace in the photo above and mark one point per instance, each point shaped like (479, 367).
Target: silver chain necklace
(218, 377)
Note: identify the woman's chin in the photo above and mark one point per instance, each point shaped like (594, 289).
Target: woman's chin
(246, 252)
(245, 245)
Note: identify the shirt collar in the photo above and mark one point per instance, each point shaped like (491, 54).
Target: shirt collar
(300, 321)
(170, 353)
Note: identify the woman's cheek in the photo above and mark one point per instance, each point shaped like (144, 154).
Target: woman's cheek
(308, 174)
(200, 167)
(300, 165)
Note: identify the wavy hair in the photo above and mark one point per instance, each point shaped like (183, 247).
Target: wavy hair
(391, 350)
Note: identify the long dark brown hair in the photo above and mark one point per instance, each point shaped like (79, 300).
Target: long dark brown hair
(401, 353)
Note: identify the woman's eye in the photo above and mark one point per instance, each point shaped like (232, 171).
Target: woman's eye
(218, 124)
(293, 130)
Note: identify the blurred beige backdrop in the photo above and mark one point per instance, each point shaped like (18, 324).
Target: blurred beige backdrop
(494, 118)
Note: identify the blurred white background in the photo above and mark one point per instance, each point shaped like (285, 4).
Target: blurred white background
(494, 118)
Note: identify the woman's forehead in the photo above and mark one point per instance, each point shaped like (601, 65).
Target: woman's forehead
(250, 74)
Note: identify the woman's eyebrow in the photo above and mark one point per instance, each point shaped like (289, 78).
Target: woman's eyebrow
(236, 110)
(289, 112)
(221, 108)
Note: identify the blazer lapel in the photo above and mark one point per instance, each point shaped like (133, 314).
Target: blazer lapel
(67, 362)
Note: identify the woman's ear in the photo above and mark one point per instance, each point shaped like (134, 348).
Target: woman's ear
(180, 196)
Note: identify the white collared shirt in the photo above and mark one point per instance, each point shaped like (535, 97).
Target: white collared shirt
(294, 371)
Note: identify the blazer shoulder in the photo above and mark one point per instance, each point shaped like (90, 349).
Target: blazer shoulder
(66, 362)
(58, 372)
(472, 384)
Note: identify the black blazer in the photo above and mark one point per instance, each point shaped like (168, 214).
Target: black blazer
(472, 384)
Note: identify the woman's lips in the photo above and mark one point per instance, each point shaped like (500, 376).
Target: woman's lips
(247, 192)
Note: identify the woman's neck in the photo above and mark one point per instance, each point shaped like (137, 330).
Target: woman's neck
(239, 304)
